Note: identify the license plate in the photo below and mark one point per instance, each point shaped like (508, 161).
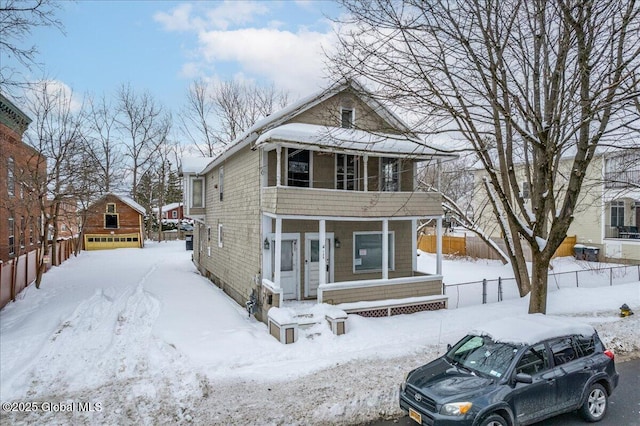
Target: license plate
(415, 415)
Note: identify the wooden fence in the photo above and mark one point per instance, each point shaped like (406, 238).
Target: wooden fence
(19, 272)
(477, 248)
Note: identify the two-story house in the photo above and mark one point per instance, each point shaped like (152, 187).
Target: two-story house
(607, 214)
(316, 202)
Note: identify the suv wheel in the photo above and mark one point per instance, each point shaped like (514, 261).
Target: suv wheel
(595, 406)
(494, 420)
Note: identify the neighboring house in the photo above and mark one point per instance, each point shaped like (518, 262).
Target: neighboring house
(607, 214)
(114, 221)
(173, 212)
(20, 168)
(68, 219)
(316, 202)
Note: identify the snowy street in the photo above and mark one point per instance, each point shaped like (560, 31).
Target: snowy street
(134, 336)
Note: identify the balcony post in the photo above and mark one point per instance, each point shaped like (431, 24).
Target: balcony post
(385, 249)
(278, 253)
(414, 245)
(322, 243)
(278, 165)
(439, 246)
(366, 173)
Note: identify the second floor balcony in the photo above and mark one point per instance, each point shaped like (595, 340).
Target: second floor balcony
(295, 201)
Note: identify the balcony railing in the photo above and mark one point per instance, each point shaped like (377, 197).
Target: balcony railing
(288, 200)
(622, 232)
(622, 179)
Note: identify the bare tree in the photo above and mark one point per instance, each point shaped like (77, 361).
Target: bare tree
(17, 19)
(57, 133)
(103, 148)
(215, 114)
(525, 83)
(142, 122)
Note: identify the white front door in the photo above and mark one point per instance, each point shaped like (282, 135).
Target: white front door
(289, 268)
(312, 263)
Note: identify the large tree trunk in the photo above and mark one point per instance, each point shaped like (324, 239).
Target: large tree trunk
(539, 278)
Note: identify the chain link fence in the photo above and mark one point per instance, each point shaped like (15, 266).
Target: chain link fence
(491, 291)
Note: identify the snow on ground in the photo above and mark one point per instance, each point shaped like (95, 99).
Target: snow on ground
(145, 339)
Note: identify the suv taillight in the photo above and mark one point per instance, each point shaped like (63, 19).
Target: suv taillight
(610, 354)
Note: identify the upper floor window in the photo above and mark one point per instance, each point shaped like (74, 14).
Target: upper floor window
(11, 184)
(298, 167)
(346, 118)
(197, 192)
(111, 220)
(174, 214)
(526, 193)
(347, 172)
(390, 171)
(111, 207)
(617, 213)
(221, 182)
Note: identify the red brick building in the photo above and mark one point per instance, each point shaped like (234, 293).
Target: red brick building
(21, 168)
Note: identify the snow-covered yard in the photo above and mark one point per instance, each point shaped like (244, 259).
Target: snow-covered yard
(140, 337)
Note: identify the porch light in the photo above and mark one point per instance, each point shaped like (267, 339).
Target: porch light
(337, 243)
(266, 244)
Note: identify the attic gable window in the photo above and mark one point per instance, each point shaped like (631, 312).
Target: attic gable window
(346, 118)
(111, 207)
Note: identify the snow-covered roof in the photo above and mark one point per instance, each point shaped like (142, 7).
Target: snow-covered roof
(130, 202)
(280, 117)
(194, 164)
(168, 207)
(531, 329)
(312, 136)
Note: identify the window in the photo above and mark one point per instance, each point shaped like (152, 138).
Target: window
(390, 169)
(617, 213)
(526, 190)
(12, 238)
(11, 183)
(298, 167)
(346, 118)
(111, 220)
(197, 193)
(347, 172)
(174, 214)
(23, 227)
(220, 235)
(563, 350)
(533, 361)
(111, 207)
(367, 251)
(31, 232)
(221, 181)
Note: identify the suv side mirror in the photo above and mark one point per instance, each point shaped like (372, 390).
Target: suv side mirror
(524, 378)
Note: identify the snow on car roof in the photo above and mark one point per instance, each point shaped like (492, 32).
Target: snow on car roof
(531, 329)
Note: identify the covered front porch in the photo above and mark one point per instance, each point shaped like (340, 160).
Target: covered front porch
(346, 261)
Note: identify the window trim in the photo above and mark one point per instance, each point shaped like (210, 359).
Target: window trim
(117, 215)
(352, 118)
(383, 177)
(192, 182)
(111, 208)
(619, 206)
(221, 182)
(220, 236)
(392, 252)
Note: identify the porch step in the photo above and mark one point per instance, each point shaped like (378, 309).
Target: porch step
(288, 325)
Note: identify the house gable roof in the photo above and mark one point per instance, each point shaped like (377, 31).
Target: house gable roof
(125, 199)
(282, 116)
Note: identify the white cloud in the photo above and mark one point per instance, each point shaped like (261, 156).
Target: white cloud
(293, 61)
(185, 17)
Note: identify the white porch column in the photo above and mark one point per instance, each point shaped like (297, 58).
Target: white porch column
(278, 253)
(414, 244)
(278, 165)
(385, 249)
(322, 241)
(366, 173)
(439, 246)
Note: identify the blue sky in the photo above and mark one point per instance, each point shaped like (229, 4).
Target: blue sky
(162, 46)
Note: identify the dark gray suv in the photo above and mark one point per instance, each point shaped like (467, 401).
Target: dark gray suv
(515, 371)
